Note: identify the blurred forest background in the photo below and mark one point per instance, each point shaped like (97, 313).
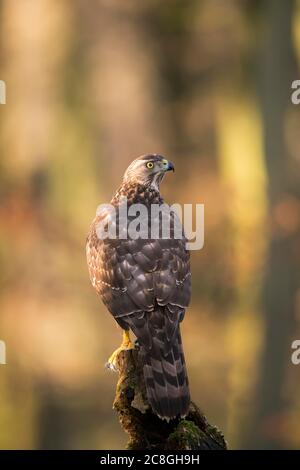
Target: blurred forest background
(90, 86)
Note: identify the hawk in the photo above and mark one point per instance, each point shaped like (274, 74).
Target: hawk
(145, 283)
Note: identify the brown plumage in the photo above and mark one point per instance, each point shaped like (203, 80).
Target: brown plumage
(146, 286)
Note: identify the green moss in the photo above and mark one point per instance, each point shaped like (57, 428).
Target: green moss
(216, 435)
(186, 436)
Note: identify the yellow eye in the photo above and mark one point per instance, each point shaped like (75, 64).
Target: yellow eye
(150, 165)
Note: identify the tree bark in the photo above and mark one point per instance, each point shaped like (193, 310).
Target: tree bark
(146, 431)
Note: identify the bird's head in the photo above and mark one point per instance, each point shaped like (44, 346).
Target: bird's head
(148, 170)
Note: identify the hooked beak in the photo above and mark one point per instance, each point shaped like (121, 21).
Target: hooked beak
(168, 165)
(171, 167)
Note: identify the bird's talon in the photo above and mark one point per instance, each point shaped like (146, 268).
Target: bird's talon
(112, 363)
(111, 366)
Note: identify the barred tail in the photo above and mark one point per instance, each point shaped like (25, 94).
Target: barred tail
(166, 379)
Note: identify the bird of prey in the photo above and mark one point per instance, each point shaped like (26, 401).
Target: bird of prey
(145, 283)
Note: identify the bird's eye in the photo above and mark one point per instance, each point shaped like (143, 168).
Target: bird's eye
(150, 165)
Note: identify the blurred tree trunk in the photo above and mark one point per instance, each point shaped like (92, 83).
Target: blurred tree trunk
(277, 72)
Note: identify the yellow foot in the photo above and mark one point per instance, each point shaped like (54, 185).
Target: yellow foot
(112, 362)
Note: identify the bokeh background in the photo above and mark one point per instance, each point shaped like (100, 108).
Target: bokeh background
(90, 86)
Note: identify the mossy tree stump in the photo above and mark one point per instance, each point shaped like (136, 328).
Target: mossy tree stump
(147, 431)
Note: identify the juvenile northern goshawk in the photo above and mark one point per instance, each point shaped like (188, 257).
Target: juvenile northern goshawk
(145, 283)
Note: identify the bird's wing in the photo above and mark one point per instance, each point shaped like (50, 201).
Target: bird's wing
(134, 276)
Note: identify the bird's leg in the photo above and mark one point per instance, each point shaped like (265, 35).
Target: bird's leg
(112, 362)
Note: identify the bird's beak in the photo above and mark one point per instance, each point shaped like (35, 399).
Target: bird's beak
(168, 165)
